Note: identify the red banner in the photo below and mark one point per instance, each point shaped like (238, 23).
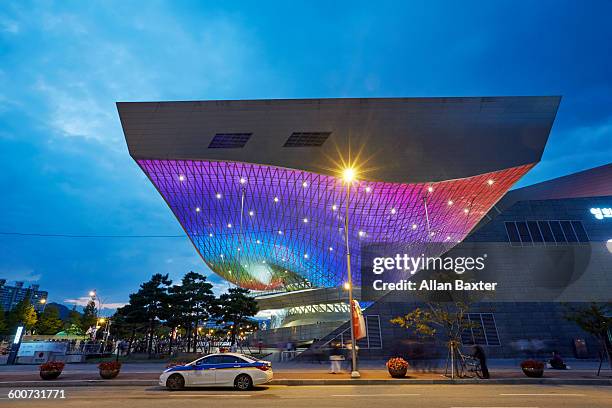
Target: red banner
(359, 327)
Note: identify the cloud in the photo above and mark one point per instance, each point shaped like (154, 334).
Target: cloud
(64, 66)
(82, 301)
(22, 275)
(572, 150)
(9, 26)
(99, 67)
(76, 112)
(220, 287)
(62, 22)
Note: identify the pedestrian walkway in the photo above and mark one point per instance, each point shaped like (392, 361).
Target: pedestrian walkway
(310, 374)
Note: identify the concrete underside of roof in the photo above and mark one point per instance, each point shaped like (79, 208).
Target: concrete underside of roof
(401, 140)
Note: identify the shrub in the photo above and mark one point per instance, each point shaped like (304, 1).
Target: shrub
(52, 366)
(397, 363)
(110, 365)
(538, 365)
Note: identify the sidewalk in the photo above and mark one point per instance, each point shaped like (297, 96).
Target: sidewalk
(147, 374)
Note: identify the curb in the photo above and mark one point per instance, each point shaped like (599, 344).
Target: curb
(306, 382)
(77, 383)
(471, 381)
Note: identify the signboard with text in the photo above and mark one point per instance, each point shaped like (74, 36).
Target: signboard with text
(28, 349)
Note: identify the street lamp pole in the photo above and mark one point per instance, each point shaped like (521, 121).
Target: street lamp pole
(348, 176)
(93, 294)
(106, 322)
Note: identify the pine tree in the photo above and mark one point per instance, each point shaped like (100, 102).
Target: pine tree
(128, 321)
(236, 306)
(49, 321)
(72, 324)
(152, 302)
(90, 316)
(191, 303)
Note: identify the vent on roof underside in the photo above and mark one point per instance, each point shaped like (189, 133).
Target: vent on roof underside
(229, 140)
(307, 139)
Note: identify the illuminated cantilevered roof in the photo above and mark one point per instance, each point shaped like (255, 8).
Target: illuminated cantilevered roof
(254, 183)
(404, 139)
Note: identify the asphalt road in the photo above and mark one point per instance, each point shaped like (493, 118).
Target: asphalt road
(430, 396)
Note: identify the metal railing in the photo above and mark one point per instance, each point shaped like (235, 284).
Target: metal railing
(372, 340)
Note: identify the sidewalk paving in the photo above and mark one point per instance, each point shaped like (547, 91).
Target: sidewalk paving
(301, 374)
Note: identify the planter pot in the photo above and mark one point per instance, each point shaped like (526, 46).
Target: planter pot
(108, 374)
(398, 373)
(49, 375)
(533, 372)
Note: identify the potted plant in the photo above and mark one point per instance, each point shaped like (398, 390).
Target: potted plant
(51, 370)
(533, 368)
(109, 369)
(397, 367)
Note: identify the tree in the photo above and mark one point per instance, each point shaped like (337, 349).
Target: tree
(449, 318)
(22, 314)
(235, 307)
(151, 303)
(89, 317)
(128, 321)
(3, 323)
(596, 319)
(49, 321)
(72, 324)
(191, 303)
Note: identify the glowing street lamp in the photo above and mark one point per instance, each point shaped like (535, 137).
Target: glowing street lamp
(43, 302)
(93, 294)
(348, 175)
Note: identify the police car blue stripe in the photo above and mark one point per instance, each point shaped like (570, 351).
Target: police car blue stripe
(215, 366)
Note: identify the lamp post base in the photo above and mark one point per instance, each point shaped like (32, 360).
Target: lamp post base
(355, 374)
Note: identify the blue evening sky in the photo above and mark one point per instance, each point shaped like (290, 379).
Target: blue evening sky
(64, 166)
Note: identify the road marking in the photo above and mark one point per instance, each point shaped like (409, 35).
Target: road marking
(544, 395)
(93, 382)
(208, 395)
(375, 395)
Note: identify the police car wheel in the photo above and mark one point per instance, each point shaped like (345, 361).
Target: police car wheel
(243, 382)
(175, 382)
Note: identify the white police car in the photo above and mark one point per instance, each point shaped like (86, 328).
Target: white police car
(220, 370)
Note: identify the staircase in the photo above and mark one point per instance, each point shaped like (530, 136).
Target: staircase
(342, 336)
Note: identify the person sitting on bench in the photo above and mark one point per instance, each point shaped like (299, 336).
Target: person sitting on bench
(556, 362)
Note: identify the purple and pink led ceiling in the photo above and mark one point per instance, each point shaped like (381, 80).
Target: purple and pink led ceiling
(269, 228)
